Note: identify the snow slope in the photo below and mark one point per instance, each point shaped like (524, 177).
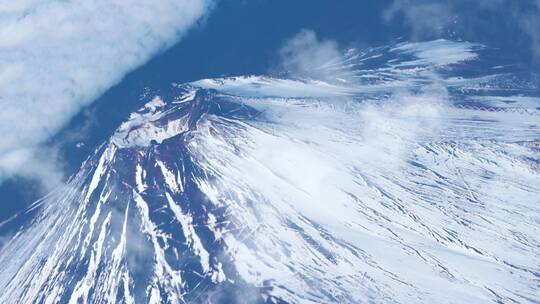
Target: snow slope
(406, 181)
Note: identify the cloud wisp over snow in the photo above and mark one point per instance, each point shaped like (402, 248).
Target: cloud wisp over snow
(306, 55)
(57, 56)
(428, 19)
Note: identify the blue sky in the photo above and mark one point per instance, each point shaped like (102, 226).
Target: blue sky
(72, 71)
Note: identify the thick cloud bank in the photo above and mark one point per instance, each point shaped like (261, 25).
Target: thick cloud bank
(56, 56)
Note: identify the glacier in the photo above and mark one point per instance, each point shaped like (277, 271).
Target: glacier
(414, 177)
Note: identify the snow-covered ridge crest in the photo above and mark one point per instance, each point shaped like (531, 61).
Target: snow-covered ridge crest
(371, 73)
(147, 125)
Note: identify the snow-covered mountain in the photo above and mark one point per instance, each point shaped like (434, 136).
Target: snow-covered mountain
(413, 177)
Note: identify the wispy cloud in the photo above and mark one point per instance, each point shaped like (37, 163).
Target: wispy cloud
(431, 19)
(57, 56)
(530, 23)
(426, 19)
(306, 55)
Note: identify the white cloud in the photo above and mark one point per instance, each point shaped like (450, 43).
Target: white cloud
(428, 18)
(530, 23)
(306, 55)
(57, 56)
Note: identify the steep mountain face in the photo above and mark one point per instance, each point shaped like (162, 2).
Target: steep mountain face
(412, 178)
